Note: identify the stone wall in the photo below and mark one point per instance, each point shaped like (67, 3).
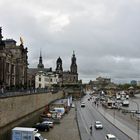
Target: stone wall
(14, 108)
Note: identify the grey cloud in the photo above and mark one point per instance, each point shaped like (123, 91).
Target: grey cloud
(104, 34)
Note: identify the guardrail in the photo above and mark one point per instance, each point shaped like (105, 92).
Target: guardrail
(10, 93)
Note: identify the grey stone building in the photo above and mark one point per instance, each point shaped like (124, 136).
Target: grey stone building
(13, 63)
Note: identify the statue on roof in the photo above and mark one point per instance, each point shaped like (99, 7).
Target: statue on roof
(21, 41)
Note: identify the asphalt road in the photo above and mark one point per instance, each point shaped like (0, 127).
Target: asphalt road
(88, 115)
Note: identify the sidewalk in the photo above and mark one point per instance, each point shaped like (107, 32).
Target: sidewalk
(66, 130)
(119, 122)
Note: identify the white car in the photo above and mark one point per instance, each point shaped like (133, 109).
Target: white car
(82, 104)
(73, 105)
(110, 137)
(98, 125)
(50, 123)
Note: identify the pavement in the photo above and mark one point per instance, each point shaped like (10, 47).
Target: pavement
(124, 122)
(66, 130)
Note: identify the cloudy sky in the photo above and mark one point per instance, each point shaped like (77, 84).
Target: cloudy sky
(105, 34)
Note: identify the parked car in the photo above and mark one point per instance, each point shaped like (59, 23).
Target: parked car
(73, 105)
(110, 137)
(54, 120)
(50, 123)
(98, 125)
(42, 127)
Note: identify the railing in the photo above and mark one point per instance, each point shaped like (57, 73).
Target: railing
(21, 92)
(138, 119)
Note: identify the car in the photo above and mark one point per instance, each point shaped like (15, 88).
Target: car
(98, 125)
(42, 127)
(73, 105)
(110, 137)
(82, 104)
(49, 123)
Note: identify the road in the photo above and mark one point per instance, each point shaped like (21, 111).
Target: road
(88, 115)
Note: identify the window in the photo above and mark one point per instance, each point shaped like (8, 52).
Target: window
(39, 78)
(36, 138)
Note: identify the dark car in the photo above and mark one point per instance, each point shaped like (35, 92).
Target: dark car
(42, 127)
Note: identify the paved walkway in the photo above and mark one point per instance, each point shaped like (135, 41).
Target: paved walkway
(66, 130)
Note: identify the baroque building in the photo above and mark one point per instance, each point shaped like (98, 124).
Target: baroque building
(14, 64)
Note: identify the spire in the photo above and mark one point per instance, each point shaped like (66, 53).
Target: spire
(73, 52)
(73, 66)
(40, 54)
(73, 58)
(40, 65)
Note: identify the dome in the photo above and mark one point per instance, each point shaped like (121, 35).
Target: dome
(59, 60)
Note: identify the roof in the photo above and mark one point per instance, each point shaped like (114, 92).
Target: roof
(24, 129)
(97, 122)
(59, 60)
(33, 71)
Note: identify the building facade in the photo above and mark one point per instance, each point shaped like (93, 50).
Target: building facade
(13, 63)
(45, 79)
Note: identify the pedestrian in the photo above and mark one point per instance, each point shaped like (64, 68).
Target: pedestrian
(97, 105)
(2, 90)
(90, 129)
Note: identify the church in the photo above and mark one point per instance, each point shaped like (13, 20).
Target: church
(70, 76)
(45, 77)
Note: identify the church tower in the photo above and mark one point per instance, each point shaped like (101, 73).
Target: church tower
(2, 44)
(59, 68)
(40, 65)
(73, 67)
(1, 34)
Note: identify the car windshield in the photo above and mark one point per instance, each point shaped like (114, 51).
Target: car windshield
(98, 122)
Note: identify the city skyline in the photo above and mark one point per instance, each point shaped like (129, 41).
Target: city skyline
(104, 34)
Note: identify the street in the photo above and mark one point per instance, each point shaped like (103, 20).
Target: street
(90, 114)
